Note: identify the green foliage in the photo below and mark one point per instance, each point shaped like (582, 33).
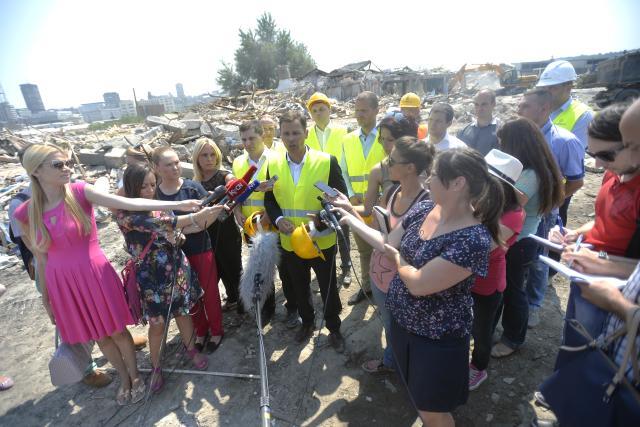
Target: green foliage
(260, 52)
(106, 125)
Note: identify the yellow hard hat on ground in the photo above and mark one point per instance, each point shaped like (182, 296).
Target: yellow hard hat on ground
(303, 245)
(257, 222)
(410, 100)
(318, 97)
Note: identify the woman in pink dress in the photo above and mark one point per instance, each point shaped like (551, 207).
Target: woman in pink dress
(83, 294)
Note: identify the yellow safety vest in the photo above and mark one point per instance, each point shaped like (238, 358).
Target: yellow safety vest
(255, 202)
(334, 143)
(358, 167)
(568, 118)
(298, 200)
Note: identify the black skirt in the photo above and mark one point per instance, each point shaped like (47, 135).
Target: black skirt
(436, 371)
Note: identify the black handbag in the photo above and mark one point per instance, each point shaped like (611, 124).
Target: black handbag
(588, 388)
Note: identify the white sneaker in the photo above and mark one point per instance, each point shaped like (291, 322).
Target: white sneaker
(534, 318)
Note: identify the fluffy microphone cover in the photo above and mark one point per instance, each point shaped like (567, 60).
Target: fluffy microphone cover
(261, 265)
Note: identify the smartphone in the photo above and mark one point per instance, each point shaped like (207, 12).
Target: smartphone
(382, 216)
(322, 186)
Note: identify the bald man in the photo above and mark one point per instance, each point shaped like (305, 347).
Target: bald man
(481, 133)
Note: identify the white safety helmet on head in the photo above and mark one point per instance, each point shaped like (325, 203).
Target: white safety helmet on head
(556, 73)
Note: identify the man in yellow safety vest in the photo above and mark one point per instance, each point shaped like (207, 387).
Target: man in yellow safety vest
(290, 202)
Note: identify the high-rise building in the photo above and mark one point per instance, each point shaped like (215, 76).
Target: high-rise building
(32, 97)
(111, 99)
(180, 90)
(3, 97)
(7, 113)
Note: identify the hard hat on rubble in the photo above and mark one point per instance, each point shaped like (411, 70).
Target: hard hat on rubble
(318, 97)
(556, 73)
(410, 100)
(257, 222)
(303, 245)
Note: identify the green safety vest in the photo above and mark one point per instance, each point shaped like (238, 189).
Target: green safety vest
(568, 118)
(358, 167)
(255, 202)
(333, 145)
(298, 200)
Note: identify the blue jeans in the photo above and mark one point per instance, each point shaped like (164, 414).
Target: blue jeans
(380, 298)
(590, 316)
(539, 271)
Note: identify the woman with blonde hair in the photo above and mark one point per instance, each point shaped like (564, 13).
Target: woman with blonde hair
(208, 171)
(83, 294)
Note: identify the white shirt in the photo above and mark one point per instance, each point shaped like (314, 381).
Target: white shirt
(323, 135)
(261, 161)
(448, 142)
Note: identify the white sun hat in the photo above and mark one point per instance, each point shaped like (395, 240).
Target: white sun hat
(504, 166)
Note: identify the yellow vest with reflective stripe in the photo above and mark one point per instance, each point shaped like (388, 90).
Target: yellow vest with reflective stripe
(296, 201)
(278, 145)
(568, 118)
(255, 202)
(334, 143)
(358, 167)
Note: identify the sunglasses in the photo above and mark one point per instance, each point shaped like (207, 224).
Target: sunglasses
(59, 164)
(606, 156)
(396, 162)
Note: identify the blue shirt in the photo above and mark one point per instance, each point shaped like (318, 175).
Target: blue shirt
(567, 149)
(582, 125)
(448, 313)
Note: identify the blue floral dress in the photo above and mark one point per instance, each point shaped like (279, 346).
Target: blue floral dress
(155, 273)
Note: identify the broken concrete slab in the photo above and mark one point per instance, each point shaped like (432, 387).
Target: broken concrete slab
(157, 121)
(176, 126)
(191, 124)
(228, 131)
(183, 152)
(115, 158)
(89, 157)
(187, 170)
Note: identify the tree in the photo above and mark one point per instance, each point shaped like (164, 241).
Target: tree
(260, 52)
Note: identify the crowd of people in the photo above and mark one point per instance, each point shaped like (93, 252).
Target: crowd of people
(443, 226)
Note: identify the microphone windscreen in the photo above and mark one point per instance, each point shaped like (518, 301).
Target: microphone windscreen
(260, 266)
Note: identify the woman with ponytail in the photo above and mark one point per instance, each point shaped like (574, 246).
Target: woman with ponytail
(443, 244)
(82, 293)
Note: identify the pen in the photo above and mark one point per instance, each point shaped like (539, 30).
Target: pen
(577, 248)
(562, 230)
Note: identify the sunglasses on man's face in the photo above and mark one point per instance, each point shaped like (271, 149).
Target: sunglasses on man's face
(607, 155)
(60, 164)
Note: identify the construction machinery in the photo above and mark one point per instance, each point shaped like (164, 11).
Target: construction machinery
(503, 80)
(620, 76)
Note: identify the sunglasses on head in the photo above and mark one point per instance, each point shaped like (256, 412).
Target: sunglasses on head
(59, 164)
(607, 155)
(392, 162)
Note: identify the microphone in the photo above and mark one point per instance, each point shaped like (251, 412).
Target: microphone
(259, 270)
(231, 204)
(218, 193)
(333, 221)
(237, 186)
(249, 173)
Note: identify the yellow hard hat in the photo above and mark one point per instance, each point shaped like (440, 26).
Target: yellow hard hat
(318, 97)
(410, 100)
(257, 222)
(303, 245)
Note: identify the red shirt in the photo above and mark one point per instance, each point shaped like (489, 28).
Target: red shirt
(617, 209)
(496, 279)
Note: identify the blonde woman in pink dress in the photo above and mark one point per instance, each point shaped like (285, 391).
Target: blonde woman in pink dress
(83, 295)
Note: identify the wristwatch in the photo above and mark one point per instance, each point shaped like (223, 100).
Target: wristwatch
(603, 255)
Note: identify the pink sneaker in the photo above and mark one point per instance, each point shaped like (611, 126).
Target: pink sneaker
(476, 377)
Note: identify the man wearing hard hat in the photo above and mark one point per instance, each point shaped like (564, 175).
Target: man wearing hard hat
(569, 113)
(293, 198)
(410, 105)
(326, 137)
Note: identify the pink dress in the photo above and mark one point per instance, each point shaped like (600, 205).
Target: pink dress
(85, 292)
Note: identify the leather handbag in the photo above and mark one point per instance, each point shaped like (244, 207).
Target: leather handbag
(130, 282)
(69, 362)
(588, 388)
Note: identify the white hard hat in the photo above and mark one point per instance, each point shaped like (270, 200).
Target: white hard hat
(556, 73)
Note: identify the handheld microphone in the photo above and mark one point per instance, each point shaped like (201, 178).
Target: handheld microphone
(237, 186)
(249, 173)
(326, 206)
(259, 270)
(218, 193)
(231, 204)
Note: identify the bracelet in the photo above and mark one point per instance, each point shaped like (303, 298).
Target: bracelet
(603, 255)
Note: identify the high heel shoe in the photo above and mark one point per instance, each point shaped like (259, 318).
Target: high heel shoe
(199, 361)
(157, 380)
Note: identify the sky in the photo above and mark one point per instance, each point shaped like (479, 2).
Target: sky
(77, 50)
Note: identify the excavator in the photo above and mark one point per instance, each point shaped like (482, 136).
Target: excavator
(485, 75)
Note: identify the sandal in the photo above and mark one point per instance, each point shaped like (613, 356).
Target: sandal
(199, 361)
(212, 345)
(123, 397)
(376, 366)
(501, 350)
(138, 390)
(157, 380)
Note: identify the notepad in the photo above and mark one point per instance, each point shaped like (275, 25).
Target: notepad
(556, 247)
(577, 276)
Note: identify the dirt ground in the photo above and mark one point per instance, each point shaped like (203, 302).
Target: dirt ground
(309, 384)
